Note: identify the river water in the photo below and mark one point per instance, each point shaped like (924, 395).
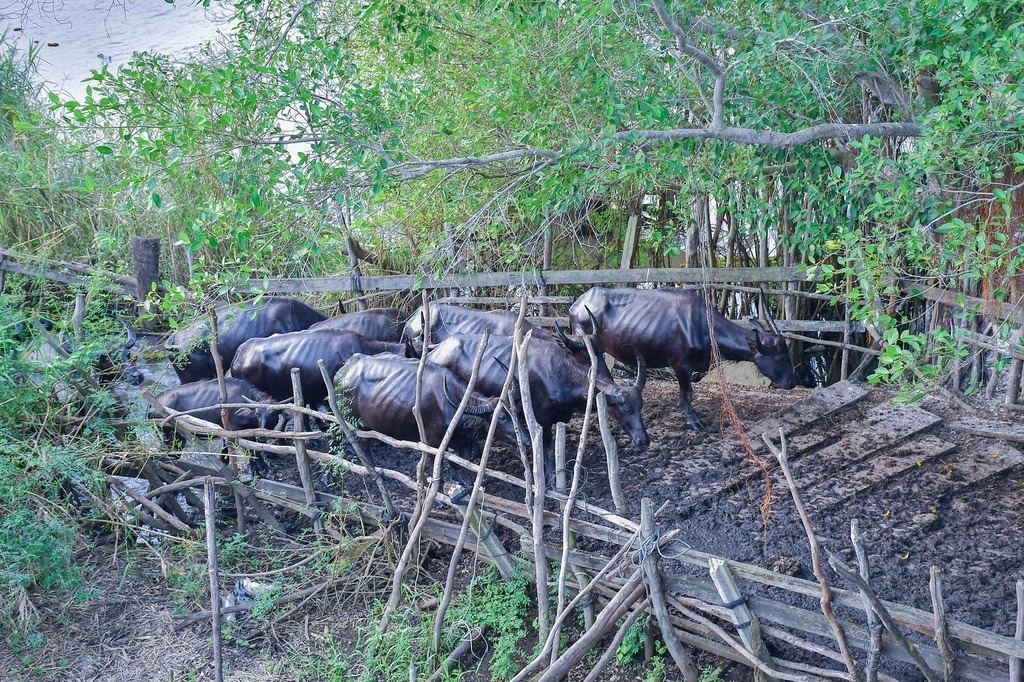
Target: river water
(76, 36)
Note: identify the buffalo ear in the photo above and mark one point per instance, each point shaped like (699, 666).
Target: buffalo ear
(755, 344)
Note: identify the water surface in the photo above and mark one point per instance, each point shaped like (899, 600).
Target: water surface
(76, 36)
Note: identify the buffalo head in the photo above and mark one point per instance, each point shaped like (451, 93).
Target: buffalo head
(771, 355)
(625, 404)
(473, 417)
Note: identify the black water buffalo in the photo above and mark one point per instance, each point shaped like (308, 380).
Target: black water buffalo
(190, 346)
(267, 363)
(558, 383)
(382, 324)
(446, 320)
(207, 394)
(669, 328)
(381, 391)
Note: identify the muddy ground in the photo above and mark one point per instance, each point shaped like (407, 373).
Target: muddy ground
(925, 493)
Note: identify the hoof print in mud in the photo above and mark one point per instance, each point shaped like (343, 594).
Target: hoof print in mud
(786, 565)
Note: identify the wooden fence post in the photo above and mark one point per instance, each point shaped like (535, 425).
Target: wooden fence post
(146, 259)
(356, 273)
(629, 244)
(1013, 382)
(301, 457)
(743, 619)
(3, 270)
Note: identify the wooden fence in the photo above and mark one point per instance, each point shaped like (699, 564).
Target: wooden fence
(696, 615)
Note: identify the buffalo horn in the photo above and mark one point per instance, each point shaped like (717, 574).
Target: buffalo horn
(756, 324)
(641, 372)
(593, 320)
(513, 389)
(341, 307)
(571, 344)
(470, 409)
(768, 311)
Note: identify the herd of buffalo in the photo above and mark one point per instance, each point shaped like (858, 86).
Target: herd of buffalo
(374, 354)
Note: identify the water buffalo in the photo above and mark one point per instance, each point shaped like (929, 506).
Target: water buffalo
(446, 320)
(382, 324)
(190, 346)
(267, 363)
(380, 390)
(207, 394)
(669, 328)
(558, 383)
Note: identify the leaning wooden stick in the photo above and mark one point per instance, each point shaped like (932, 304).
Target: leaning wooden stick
(627, 596)
(941, 631)
(536, 663)
(301, 460)
(611, 452)
(842, 569)
(211, 563)
(649, 549)
(222, 385)
(739, 647)
(609, 653)
(874, 627)
(539, 486)
(826, 591)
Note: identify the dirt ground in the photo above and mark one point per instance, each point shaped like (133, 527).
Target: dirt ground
(925, 494)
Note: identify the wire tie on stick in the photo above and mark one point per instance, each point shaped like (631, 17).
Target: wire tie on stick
(736, 602)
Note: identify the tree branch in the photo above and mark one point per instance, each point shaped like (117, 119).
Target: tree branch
(702, 58)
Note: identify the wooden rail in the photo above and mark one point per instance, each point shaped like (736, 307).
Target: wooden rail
(527, 278)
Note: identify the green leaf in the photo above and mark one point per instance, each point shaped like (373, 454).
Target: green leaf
(22, 125)
(157, 200)
(104, 149)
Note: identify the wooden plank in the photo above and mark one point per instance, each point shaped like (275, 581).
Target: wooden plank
(824, 402)
(528, 278)
(865, 475)
(881, 429)
(7, 263)
(990, 428)
(822, 326)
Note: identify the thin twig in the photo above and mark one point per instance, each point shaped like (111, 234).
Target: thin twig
(826, 591)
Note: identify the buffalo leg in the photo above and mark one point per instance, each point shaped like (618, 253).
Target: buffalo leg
(686, 398)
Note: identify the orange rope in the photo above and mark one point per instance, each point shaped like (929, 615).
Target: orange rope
(727, 406)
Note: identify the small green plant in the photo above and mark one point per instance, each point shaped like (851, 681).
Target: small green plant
(710, 674)
(656, 672)
(632, 644)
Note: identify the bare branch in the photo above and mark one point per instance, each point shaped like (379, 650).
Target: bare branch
(702, 58)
